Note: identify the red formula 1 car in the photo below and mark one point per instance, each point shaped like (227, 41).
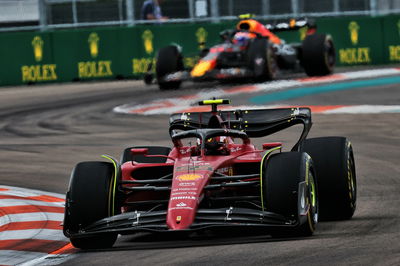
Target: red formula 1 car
(252, 50)
(213, 177)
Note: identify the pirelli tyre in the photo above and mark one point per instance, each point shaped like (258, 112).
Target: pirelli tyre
(90, 197)
(289, 188)
(336, 176)
(169, 60)
(261, 59)
(152, 150)
(318, 54)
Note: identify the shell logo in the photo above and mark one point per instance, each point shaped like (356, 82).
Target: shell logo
(189, 177)
(147, 37)
(354, 28)
(37, 44)
(93, 41)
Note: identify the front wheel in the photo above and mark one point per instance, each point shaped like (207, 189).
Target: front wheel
(169, 60)
(335, 167)
(290, 189)
(261, 59)
(90, 197)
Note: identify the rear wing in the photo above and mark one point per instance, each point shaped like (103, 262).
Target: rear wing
(292, 24)
(255, 123)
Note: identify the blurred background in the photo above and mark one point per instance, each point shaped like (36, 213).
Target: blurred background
(48, 14)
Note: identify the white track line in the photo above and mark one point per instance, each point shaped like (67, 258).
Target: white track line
(365, 109)
(43, 234)
(19, 205)
(14, 257)
(34, 216)
(19, 202)
(177, 104)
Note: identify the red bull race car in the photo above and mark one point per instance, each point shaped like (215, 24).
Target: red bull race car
(212, 178)
(251, 50)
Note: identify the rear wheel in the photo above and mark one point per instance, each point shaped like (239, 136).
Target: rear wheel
(318, 55)
(261, 59)
(152, 150)
(90, 197)
(290, 189)
(169, 60)
(337, 185)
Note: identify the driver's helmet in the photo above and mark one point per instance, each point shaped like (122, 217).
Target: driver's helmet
(242, 38)
(216, 146)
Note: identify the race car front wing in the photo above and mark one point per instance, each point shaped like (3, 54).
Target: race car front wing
(215, 74)
(155, 221)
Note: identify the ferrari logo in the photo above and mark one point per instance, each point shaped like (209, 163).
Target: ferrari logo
(37, 44)
(147, 37)
(93, 41)
(189, 177)
(201, 35)
(354, 28)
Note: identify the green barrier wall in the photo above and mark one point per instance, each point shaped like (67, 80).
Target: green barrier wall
(126, 52)
(391, 38)
(358, 41)
(26, 57)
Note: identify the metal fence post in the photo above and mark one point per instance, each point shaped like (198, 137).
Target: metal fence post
(130, 12)
(74, 12)
(42, 15)
(265, 7)
(295, 7)
(191, 8)
(215, 11)
(373, 7)
(336, 6)
(230, 8)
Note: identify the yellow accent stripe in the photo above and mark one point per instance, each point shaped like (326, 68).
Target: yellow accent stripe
(261, 171)
(313, 202)
(113, 184)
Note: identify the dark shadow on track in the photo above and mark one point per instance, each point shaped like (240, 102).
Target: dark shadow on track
(146, 241)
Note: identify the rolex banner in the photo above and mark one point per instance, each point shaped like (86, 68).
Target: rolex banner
(358, 40)
(391, 38)
(128, 52)
(26, 58)
(86, 54)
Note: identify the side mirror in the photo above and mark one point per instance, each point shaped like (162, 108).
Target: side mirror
(271, 145)
(140, 151)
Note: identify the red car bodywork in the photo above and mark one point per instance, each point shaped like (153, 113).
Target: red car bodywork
(191, 174)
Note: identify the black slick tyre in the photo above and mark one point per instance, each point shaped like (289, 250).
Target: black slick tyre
(261, 59)
(318, 55)
(336, 176)
(169, 60)
(90, 197)
(290, 189)
(152, 150)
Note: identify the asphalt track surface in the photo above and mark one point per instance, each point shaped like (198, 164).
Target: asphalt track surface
(46, 130)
